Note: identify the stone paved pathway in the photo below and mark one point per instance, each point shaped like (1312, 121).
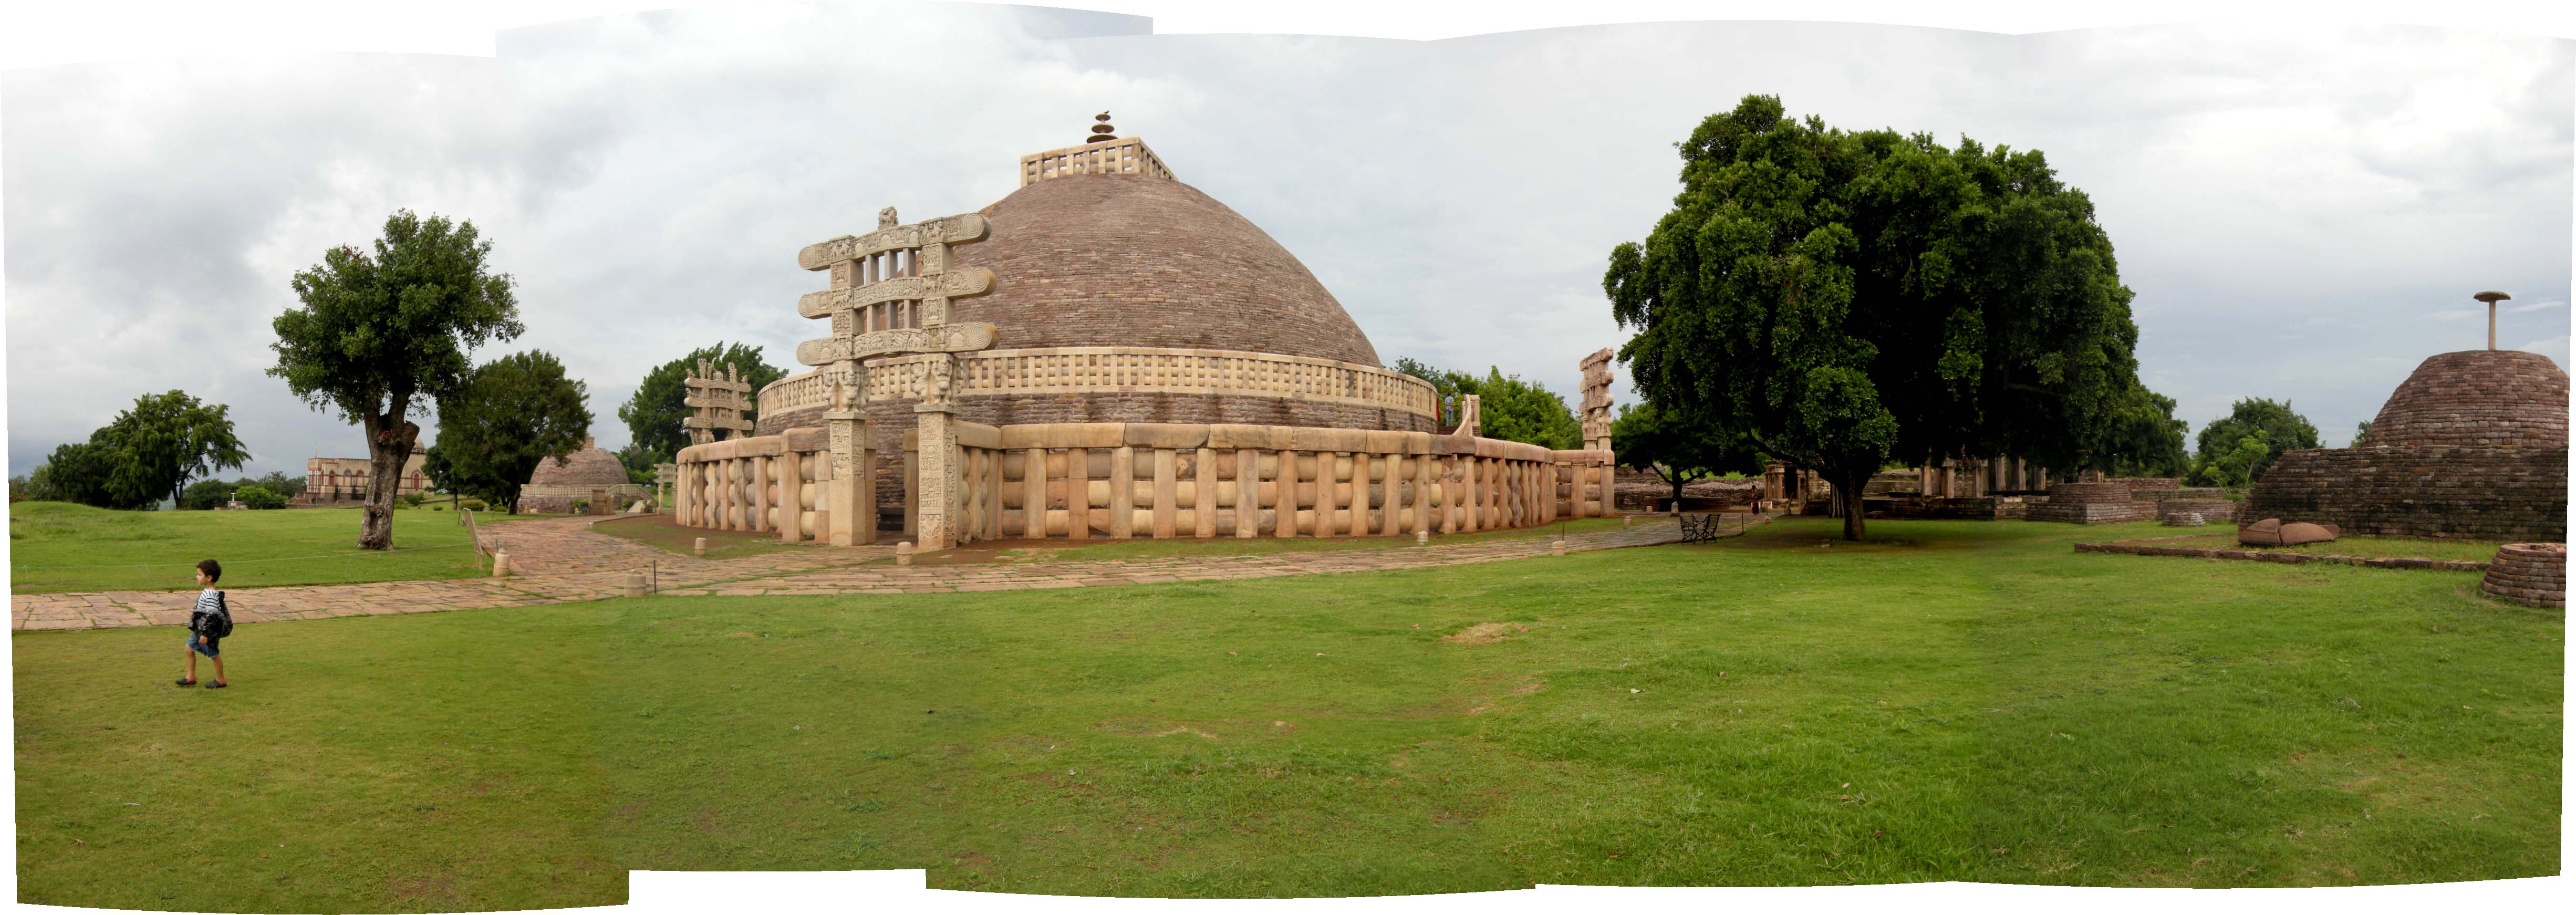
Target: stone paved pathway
(567, 563)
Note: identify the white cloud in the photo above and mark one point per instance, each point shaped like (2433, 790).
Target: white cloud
(648, 179)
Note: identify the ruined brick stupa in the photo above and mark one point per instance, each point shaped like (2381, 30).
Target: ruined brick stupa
(556, 484)
(2473, 445)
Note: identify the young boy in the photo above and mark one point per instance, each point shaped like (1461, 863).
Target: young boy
(201, 625)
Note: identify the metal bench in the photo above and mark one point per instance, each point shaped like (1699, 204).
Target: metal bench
(1698, 527)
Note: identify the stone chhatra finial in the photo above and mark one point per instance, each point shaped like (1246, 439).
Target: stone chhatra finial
(1103, 130)
(2491, 298)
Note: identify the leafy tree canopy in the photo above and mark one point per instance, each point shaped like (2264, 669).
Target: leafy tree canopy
(205, 495)
(2234, 467)
(259, 498)
(511, 413)
(2361, 434)
(638, 461)
(79, 472)
(2274, 424)
(653, 414)
(1678, 448)
(164, 441)
(1509, 408)
(2141, 438)
(380, 332)
(1843, 297)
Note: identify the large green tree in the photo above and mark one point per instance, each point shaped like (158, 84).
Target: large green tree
(1848, 296)
(653, 414)
(2269, 422)
(2141, 439)
(383, 334)
(1510, 408)
(164, 441)
(510, 414)
(79, 472)
(1677, 447)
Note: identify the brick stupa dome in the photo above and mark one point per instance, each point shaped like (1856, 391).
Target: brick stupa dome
(590, 466)
(1138, 260)
(2482, 398)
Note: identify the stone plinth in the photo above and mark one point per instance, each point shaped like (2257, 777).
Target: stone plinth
(2459, 492)
(2091, 503)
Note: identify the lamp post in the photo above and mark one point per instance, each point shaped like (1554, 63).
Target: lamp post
(2491, 298)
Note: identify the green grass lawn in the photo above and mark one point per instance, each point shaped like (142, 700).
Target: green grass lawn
(1964, 701)
(57, 546)
(2346, 545)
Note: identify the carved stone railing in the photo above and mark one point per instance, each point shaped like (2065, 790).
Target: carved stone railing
(1118, 480)
(1120, 369)
(1127, 156)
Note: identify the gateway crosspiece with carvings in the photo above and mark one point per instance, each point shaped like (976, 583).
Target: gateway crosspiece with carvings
(895, 276)
(717, 396)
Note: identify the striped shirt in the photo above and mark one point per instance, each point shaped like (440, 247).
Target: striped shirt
(210, 602)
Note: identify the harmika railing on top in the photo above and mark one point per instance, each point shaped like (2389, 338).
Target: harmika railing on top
(1117, 157)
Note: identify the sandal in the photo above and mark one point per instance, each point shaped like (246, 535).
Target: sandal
(219, 684)
(186, 681)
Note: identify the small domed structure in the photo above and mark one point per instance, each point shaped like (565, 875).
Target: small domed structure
(559, 482)
(2489, 398)
(590, 466)
(2472, 445)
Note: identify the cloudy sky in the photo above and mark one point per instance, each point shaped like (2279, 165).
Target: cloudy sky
(2303, 211)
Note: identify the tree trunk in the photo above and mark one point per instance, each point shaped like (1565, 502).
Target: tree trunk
(389, 445)
(1848, 490)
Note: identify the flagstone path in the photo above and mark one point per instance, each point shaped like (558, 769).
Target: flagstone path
(563, 561)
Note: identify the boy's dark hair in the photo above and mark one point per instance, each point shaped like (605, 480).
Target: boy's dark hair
(214, 570)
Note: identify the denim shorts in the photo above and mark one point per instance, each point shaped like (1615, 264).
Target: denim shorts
(211, 648)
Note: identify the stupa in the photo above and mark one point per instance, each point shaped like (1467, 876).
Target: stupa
(557, 483)
(2472, 445)
(1107, 351)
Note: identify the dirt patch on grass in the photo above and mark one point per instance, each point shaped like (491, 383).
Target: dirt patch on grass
(433, 892)
(1184, 730)
(1150, 728)
(663, 532)
(1484, 633)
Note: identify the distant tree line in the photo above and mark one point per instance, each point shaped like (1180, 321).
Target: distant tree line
(1508, 408)
(149, 452)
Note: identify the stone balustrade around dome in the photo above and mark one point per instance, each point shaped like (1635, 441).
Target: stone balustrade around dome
(1104, 369)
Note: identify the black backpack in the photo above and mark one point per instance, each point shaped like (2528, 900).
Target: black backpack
(221, 625)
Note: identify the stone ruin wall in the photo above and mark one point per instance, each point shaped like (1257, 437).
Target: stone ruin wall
(2462, 492)
(2093, 503)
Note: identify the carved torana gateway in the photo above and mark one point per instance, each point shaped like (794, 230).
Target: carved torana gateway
(1596, 400)
(715, 396)
(1104, 352)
